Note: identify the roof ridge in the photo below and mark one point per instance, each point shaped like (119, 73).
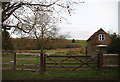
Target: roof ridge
(95, 33)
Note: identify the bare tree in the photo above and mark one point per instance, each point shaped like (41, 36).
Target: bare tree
(17, 14)
(44, 26)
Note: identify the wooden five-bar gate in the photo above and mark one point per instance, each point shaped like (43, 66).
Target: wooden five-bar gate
(70, 63)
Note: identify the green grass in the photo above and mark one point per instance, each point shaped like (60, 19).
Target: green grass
(27, 75)
(83, 43)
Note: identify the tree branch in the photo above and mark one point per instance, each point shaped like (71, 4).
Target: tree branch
(15, 27)
(41, 4)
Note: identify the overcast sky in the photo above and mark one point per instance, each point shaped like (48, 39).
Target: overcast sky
(90, 17)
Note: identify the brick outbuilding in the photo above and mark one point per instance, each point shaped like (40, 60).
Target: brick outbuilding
(98, 38)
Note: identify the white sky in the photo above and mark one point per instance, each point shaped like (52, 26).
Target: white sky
(90, 17)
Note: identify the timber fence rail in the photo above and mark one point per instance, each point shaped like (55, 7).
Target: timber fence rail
(110, 62)
(20, 63)
(58, 63)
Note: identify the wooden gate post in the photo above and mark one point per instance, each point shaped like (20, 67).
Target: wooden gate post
(119, 67)
(42, 62)
(100, 60)
(14, 60)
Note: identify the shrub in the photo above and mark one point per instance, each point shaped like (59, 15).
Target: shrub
(114, 46)
(6, 41)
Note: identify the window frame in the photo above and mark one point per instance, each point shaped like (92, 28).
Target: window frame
(101, 37)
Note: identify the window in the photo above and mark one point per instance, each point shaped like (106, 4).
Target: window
(101, 37)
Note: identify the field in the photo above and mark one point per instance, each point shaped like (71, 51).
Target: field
(82, 43)
(36, 75)
(68, 51)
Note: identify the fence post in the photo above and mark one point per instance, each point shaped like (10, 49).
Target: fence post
(119, 67)
(100, 60)
(86, 51)
(42, 62)
(14, 60)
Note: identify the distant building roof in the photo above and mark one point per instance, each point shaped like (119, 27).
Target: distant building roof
(96, 33)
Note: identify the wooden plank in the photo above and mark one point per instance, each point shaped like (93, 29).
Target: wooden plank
(71, 60)
(37, 54)
(110, 54)
(70, 66)
(71, 70)
(110, 70)
(75, 67)
(25, 69)
(87, 61)
(68, 56)
(69, 63)
(28, 64)
(29, 69)
(4, 53)
(110, 65)
(27, 59)
(7, 63)
(61, 60)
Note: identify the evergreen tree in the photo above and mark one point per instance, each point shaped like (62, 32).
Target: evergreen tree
(114, 46)
(73, 41)
(6, 41)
